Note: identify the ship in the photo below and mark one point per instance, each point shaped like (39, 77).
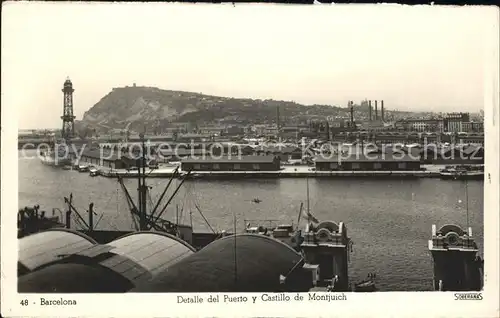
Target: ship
(93, 171)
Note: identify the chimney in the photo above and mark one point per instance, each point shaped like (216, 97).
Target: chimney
(370, 110)
(382, 109)
(351, 109)
(376, 110)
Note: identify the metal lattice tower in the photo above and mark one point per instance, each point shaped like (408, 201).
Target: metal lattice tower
(68, 127)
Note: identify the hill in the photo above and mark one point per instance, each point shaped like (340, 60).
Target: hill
(133, 107)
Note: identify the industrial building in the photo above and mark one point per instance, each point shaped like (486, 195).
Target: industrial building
(232, 163)
(108, 159)
(368, 162)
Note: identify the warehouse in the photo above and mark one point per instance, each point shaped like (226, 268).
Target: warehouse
(368, 162)
(231, 163)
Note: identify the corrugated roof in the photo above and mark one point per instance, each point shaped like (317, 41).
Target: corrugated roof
(73, 278)
(359, 157)
(154, 251)
(241, 263)
(133, 258)
(45, 247)
(230, 159)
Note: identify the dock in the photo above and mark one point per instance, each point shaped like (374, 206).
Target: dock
(287, 172)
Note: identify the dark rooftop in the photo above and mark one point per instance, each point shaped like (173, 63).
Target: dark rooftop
(60, 257)
(241, 263)
(230, 159)
(374, 157)
(73, 278)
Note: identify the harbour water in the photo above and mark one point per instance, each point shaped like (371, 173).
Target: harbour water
(388, 220)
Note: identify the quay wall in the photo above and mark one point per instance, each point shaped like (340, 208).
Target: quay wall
(281, 174)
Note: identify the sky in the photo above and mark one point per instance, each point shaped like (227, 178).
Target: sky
(414, 58)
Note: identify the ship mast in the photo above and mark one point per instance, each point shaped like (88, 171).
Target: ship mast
(467, 203)
(142, 187)
(307, 184)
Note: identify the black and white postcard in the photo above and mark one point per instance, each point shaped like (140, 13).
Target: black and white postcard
(249, 160)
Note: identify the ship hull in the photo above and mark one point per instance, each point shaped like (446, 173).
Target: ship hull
(462, 176)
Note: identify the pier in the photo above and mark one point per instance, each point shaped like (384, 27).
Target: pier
(287, 172)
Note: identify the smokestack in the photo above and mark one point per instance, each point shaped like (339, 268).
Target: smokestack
(376, 111)
(382, 109)
(370, 110)
(352, 112)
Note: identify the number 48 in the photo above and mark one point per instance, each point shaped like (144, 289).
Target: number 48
(24, 302)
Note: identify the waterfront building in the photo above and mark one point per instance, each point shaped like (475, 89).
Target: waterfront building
(180, 153)
(232, 163)
(106, 158)
(371, 162)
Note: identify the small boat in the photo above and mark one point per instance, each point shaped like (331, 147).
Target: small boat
(83, 168)
(463, 173)
(256, 200)
(367, 285)
(94, 172)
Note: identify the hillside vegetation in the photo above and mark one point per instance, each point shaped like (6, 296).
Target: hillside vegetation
(134, 107)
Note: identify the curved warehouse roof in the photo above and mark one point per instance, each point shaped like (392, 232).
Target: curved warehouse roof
(73, 278)
(42, 248)
(238, 263)
(123, 263)
(154, 251)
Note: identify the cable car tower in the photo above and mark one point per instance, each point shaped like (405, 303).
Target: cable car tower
(68, 127)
